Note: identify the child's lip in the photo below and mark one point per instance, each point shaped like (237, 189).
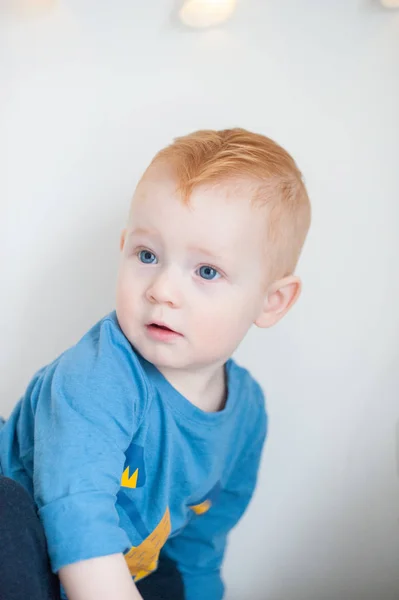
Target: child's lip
(161, 324)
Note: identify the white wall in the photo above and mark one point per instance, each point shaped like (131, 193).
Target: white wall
(89, 91)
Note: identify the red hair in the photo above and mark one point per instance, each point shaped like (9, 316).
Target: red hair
(209, 156)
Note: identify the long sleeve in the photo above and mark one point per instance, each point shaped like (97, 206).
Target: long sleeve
(89, 406)
(199, 549)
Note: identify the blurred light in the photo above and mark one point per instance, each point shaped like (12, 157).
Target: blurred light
(206, 13)
(390, 3)
(28, 8)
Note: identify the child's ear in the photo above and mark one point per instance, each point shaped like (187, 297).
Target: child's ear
(279, 298)
(122, 241)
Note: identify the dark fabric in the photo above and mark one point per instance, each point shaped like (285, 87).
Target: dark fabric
(25, 572)
(24, 565)
(165, 584)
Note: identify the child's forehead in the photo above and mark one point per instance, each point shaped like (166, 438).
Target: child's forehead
(160, 188)
(215, 207)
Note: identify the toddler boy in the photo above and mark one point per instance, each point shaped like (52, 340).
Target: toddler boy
(137, 450)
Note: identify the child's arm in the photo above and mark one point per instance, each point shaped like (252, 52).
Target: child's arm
(104, 578)
(88, 407)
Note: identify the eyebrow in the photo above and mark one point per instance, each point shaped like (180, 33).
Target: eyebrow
(144, 231)
(153, 232)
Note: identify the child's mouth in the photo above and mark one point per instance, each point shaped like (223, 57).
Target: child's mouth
(161, 332)
(161, 327)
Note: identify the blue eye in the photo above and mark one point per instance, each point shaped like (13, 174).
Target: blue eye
(208, 273)
(145, 257)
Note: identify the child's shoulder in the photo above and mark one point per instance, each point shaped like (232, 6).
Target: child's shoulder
(101, 366)
(103, 346)
(252, 400)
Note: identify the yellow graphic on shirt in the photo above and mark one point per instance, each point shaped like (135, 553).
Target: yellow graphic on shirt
(201, 509)
(129, 482)
(134, 475)
(206, 502)
(143, 559)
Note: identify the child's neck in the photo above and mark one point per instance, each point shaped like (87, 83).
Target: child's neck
(206, 389)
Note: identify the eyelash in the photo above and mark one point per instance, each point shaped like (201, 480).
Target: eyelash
(139, 250)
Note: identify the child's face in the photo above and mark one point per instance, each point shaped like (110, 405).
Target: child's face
(166, 274)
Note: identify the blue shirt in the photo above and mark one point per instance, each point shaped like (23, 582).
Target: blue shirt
(117, 460)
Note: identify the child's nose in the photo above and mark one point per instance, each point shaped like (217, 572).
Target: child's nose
(165, 288)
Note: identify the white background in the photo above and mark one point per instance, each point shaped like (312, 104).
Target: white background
(90, 90)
